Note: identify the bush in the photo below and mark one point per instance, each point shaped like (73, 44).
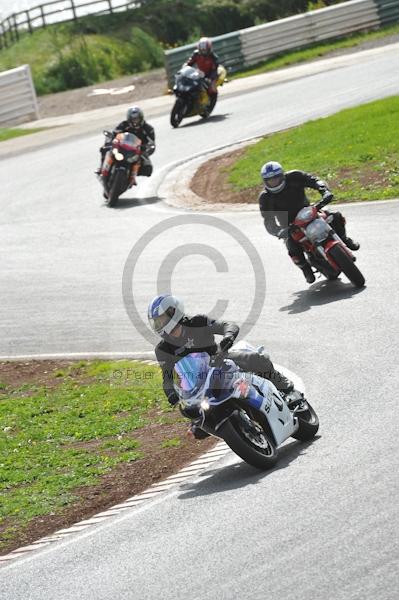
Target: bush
(89, 59)
(269, 10)
(222, 16)
(146, 52)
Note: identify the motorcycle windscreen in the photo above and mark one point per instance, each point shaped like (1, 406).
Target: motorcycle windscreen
(190, 373)
(129, 141)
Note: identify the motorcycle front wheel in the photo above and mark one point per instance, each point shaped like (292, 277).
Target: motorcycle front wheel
(308, 422)
(249, 441)
(176, 116)
(347, 266)
(118, 186)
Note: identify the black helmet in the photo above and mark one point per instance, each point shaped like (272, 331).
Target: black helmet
(135, 116)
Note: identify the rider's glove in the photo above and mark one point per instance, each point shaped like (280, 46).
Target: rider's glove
(226, 343)
(328, 196)
(282, 234)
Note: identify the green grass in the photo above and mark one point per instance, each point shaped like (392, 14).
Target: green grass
(356, 151)
(56, 439)
(9, 134)
(287, 59)
(62, 58)
(172, 443)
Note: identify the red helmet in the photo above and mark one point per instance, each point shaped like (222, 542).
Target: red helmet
(204, 46)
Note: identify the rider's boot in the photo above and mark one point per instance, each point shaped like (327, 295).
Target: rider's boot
(352, 245)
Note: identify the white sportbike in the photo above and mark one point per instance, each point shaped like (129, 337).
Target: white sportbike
(243, 409)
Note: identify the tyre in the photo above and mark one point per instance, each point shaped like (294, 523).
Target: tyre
(308, 422)
(212, 103)
(176, 116)
(347, 266)
(248, 440)
(118, 186)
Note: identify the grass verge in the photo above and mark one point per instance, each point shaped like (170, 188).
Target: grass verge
(9, 134)
(63, 428)
(356, 151)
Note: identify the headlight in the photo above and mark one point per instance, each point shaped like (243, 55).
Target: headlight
(205, 405)
(118, 155)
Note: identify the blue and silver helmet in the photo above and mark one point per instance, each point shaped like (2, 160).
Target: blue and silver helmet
(164, 313)
(273, 176)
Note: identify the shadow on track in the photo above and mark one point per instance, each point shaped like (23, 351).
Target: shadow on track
(124, 203)
(210, 119)
(322, 292)
(241, 474)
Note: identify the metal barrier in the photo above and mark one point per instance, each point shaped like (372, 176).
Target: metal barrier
(388, 11)
(249, 46)
(17, 97)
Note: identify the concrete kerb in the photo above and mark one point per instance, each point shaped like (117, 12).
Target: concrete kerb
(176, 191)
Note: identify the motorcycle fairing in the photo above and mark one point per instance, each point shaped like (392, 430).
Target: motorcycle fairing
(275, 409)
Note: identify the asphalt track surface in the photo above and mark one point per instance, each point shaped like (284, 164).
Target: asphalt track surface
(323, 523)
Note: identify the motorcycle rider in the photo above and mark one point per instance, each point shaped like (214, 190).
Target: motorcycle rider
(281, 200)
(134, 123)
(204, 59)
(182, 334)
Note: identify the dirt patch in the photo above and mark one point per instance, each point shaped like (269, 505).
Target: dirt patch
(146, 85)
(211, 181)
(34, 372)
(125, 480)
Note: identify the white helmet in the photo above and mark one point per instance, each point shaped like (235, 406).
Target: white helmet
(164, 313)
(204, 46)
(273, 176)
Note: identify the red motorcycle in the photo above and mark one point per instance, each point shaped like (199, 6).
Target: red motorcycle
(325, 250)
(121, 164)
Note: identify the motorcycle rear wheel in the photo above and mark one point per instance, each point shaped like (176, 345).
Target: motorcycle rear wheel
(237, 436)
(308, 423)
(347, 266)
(118, 186)
(176, 116)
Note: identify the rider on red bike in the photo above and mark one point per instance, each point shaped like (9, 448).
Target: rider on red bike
(282, 199)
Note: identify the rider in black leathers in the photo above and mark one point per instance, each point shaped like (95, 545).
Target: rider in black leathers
(135, 123)
(281, 200)
(197, 334)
